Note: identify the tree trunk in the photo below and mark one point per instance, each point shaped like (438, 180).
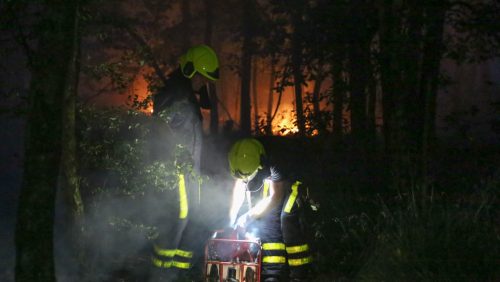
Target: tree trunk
(412, 99)
(358, 84)
(359, 61)
(315, 95)
(70, 183)
(298, 78)
(338, 96)
(392, 90)
(371, 107)
(270, 100)
(214, 109)
(387, 76)
(34, 229)
(255, 94)
(318, 122)
(245, 68)
(214, 105)
(433, 50)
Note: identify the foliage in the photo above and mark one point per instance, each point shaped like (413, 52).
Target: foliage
(475, 34)
(416, 236)
(118, 143)
(318, 122)
(429, 238)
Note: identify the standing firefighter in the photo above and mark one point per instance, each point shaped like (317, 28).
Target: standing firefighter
(276, 216)
(177, 107)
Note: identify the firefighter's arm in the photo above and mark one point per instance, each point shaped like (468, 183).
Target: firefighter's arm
(276, 194)
(237, 200)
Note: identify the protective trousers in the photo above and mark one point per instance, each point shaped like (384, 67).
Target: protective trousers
(298, 255)
(273, 249)
(172, 250)
(283, 241)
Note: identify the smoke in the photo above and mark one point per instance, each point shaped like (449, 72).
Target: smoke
(120, 227)
(119, 230)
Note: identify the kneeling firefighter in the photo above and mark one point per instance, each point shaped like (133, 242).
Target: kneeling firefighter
(179, 112)
(275, 217)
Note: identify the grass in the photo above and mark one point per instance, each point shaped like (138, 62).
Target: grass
(411, 237)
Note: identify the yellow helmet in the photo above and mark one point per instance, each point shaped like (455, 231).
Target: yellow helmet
(245, 157)
(201, 59)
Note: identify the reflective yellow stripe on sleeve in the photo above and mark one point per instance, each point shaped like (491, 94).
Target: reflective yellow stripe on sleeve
(265, 191)
(183, 212)
(292, 197)
(300, 261)
(273, 246)
(274, 259)
(297, 249)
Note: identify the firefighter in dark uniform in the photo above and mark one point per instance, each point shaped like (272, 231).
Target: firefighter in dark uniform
(276, 216)
(178, 112)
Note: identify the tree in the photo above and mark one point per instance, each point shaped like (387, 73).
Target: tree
(70, 176)
(214, 100)
(51, 66)
(270, 100)
(360, 38)
(247, 31)
(296, 60)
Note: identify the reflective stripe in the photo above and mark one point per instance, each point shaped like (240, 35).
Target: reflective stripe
(184, 254)
(182, 197)
(172, 252)
(265, 191)
(164, 252)
(274, 259)
(293, 196)
(183, 265)
(162, 264)
(273, 246)
(300, 261)
(167, 264)
(297, 249)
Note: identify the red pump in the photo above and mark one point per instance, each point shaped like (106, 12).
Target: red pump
(231, 259)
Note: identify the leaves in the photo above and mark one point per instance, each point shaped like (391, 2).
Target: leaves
(118, 143)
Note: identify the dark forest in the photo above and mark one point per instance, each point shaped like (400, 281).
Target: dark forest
(387, 111)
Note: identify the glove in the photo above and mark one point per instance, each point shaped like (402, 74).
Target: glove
(242, 221)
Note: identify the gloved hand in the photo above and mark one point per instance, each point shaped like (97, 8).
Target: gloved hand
(242, 221)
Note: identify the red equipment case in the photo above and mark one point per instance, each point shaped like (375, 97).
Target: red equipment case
(229, 259)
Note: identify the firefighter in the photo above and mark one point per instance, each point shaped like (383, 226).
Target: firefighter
(276, 216)
(179, 113)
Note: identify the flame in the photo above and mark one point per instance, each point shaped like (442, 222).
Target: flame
(285, 122)
(285, 126)
(140, 88)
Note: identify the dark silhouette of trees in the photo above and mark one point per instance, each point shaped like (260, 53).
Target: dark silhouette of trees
(247, 31)
(53, 65)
